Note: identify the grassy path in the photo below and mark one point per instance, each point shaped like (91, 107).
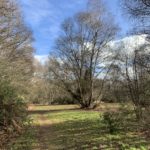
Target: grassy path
(62, 127)
(69, 128)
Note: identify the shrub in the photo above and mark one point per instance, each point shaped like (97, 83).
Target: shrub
(12, 108)
(125, 119)
(116, 120)
(111, 121)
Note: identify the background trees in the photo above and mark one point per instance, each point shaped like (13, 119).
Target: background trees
(81, 54)
(45, 88)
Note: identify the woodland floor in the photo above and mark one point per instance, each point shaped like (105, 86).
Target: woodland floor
(66, 127)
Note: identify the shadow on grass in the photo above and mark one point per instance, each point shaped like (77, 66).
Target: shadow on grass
(76, 129)
(88, 135)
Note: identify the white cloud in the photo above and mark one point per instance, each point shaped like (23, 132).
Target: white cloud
(129, 43)
(41, 58)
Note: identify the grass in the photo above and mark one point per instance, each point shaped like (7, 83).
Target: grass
(23, 142)
(66, 127)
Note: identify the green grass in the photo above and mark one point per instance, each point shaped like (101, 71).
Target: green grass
(25, 141)
(69, 128)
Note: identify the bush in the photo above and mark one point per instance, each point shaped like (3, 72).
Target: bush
(111, 121)
(12, 108)
(117, 120)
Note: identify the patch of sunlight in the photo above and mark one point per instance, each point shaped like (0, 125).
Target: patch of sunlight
(52, 107)
(46, 122)
(74, 115)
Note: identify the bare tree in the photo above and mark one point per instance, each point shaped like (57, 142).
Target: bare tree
(138, 65)
(16, 51)
(81, 53)
(139, 10)
(16, 55)
(136, 77)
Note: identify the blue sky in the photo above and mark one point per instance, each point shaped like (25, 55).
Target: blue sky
(45, 16)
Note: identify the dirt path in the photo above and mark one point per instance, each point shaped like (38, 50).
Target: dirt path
(43, 133)
(43, 126)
